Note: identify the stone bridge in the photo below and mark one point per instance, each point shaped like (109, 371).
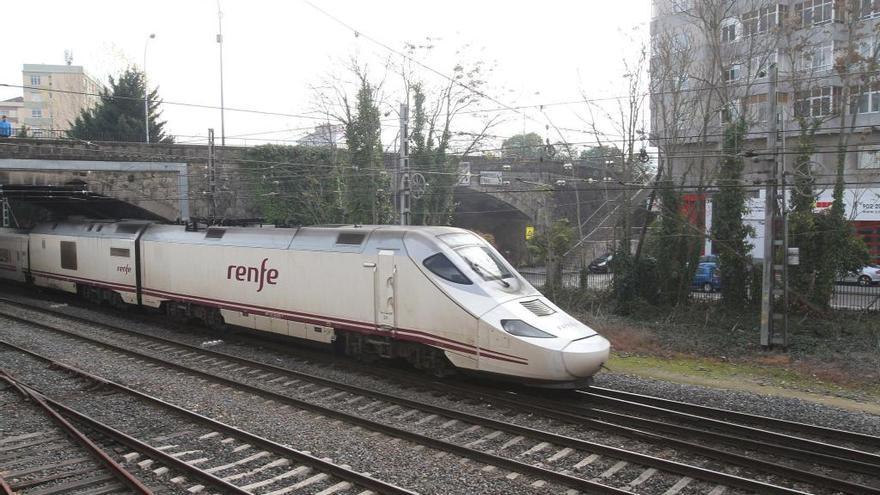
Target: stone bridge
(494, 196)
(505, 197)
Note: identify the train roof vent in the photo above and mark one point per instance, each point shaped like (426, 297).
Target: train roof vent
(214, 233)
(538, 307)
(350, 238)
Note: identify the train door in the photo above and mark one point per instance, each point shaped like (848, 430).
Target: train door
(386, 291)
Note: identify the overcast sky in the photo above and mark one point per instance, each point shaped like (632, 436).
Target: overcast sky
(275, 52)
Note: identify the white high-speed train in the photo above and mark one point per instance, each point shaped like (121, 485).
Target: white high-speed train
(440, 297)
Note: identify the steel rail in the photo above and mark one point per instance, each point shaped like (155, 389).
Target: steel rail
(687, 407)
(50, 405)
(118, 472)
(609, 424)
(513, 465)
(359, 479)
(643, 459)
(798, 442)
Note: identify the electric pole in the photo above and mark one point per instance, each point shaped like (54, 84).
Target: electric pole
(212, 180)
(774, 289)
(220, 42)
(403, 176)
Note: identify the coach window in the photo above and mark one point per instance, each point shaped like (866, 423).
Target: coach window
(443, 268)
(68, 255)
(120, 252)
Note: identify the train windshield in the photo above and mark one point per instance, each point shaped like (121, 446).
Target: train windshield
(477, 255)
(484, 262)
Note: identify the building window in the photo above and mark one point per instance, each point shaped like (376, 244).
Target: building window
(679, 6)
(813, 12)
(869, 47)
(4, 113)
(36, 97)
(680, 42)
(757, 108)
(761, 64)
(866, 99)
(868, 9)
(729, 113)
(37, 113)
(761, 20)
(817, 57)
(732, 73)
(35, 80)
(729, 30)
(816, 102)
(869, 159)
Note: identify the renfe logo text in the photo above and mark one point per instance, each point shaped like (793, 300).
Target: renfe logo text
(259, 275)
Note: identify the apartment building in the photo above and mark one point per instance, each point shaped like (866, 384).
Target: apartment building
(711, 63)
(54, 95)
(11, 109)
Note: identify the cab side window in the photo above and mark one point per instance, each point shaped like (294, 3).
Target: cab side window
(440, 265)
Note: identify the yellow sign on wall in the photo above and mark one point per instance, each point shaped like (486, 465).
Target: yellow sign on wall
(530, 232)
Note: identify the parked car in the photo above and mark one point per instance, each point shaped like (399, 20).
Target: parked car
(709, 258)
(868, 275)
(602, 264)
(707, 278)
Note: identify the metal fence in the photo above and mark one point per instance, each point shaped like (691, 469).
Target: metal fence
(846, 296)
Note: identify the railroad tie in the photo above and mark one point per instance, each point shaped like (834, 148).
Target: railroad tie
(513, 441)
(537, 448)
(426, 419)
(614, 469)
(306, 482)
(300, 470)
(462, 432)
(254, 457)
(338, 487)
(559, 455)
(587, 461)
(264, 467)
(406, 414)
(678, 486)
(485, 438)
(643, 477)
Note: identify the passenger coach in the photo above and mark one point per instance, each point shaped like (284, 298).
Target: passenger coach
(439, 297)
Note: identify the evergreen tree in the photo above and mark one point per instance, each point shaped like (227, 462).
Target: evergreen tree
(119, 115)
(367, 183)
(295, 185)
(428, 157)
(728, 230)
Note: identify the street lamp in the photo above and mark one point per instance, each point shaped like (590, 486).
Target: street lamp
(147, 92)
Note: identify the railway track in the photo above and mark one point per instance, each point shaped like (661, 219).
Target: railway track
(189, 446)
(47, 454)
(547, 456)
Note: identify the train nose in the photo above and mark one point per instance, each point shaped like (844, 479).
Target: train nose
(584, 357)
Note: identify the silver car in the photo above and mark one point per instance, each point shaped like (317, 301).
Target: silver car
(869, 274)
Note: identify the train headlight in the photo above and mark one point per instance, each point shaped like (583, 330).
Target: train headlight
(523, 329)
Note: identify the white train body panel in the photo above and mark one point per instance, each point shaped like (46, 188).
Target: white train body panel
(439, 286)
(13, 254)
(95, 254)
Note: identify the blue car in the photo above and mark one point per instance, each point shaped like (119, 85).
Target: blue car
(707, 278)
